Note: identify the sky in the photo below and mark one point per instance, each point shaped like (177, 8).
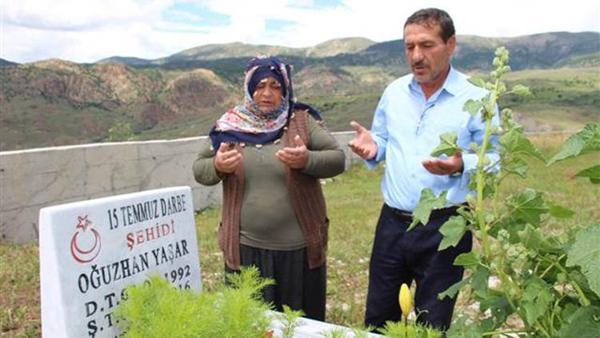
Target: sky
(91, 30)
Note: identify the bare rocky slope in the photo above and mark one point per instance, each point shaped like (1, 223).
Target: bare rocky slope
(57, 102)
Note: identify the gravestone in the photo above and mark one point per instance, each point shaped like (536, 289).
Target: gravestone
(90, 251)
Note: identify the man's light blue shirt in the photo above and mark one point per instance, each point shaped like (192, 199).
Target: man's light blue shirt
(407, 127)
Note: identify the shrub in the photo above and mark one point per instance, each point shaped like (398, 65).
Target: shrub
(158, 309)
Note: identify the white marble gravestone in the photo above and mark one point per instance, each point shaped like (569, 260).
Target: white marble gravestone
(91, 250)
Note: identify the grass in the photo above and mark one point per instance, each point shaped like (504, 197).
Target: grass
(338, 111)
(19, 291)
(564, 99)
(354, 200)
(559, 184)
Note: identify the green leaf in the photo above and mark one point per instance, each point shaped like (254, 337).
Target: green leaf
(453, 230)
(536, 299)
(559, 211)
(517, 145)
(577, 276)
(490, 184)
(587, 140)
(527, 206)
(584, 322)
(513, 227)
(453, 290)
(447, 145)
(461, 329)
(516, 166)
(593, 173)
(467, 259)
(427, 202)
(585, 253)
(498, 305)
(488, 324)
(542, 243)
(473, 107)
(479, 278)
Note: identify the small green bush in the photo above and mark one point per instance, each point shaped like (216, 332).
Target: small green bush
(120, 131)
(289, 319)
(158, 309)
(409, 330)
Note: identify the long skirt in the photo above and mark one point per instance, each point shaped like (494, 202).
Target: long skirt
(296, 285)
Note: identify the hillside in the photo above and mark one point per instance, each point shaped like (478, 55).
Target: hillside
(338, 46)
(6, 63)
(132, 61)
(57, 102)
(223, 51)
(242, 50)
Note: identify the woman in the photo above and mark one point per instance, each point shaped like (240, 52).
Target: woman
(270, 152)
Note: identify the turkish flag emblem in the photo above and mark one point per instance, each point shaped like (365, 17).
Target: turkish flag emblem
(85, 243)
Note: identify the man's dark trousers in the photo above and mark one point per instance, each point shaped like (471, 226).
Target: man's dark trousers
(401, 256)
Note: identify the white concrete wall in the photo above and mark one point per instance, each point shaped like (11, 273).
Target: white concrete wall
(37, 178)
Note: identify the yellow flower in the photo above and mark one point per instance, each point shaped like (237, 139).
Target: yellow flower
(405, 300)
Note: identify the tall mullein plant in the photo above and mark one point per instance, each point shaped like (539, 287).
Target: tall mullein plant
(547, 285)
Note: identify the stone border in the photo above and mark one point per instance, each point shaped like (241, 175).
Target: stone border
(36, 178)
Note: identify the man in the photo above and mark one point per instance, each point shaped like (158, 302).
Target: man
(410, 117)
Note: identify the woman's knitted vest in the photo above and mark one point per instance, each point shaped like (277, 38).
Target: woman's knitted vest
(306, 195)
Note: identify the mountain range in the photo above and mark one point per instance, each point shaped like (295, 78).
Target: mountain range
(57, 102)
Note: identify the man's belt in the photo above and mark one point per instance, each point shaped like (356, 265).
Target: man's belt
(406, 216)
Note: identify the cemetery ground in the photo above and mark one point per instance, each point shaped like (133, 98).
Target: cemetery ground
(354, 201)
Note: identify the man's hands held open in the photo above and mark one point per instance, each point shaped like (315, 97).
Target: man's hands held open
(364, 146)
(226, 160)
(363, 143)
(449, 166)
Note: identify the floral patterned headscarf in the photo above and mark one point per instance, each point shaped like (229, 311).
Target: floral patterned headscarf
(246, 122)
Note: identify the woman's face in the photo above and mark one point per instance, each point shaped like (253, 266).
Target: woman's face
(267, 94)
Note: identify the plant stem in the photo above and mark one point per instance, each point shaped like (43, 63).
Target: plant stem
(480, 172)
(480, 186)
(506, 282)
(582, 298)
(541, 328)
(492, 333)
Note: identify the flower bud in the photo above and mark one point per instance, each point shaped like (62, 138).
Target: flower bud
(405, 300)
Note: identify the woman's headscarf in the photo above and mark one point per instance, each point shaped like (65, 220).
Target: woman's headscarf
(246, 122)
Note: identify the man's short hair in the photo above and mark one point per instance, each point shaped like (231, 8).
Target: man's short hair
(432, 16)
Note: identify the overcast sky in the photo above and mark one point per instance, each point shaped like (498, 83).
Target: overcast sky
(90, 30)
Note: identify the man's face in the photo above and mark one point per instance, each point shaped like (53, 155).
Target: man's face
(427, 53)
